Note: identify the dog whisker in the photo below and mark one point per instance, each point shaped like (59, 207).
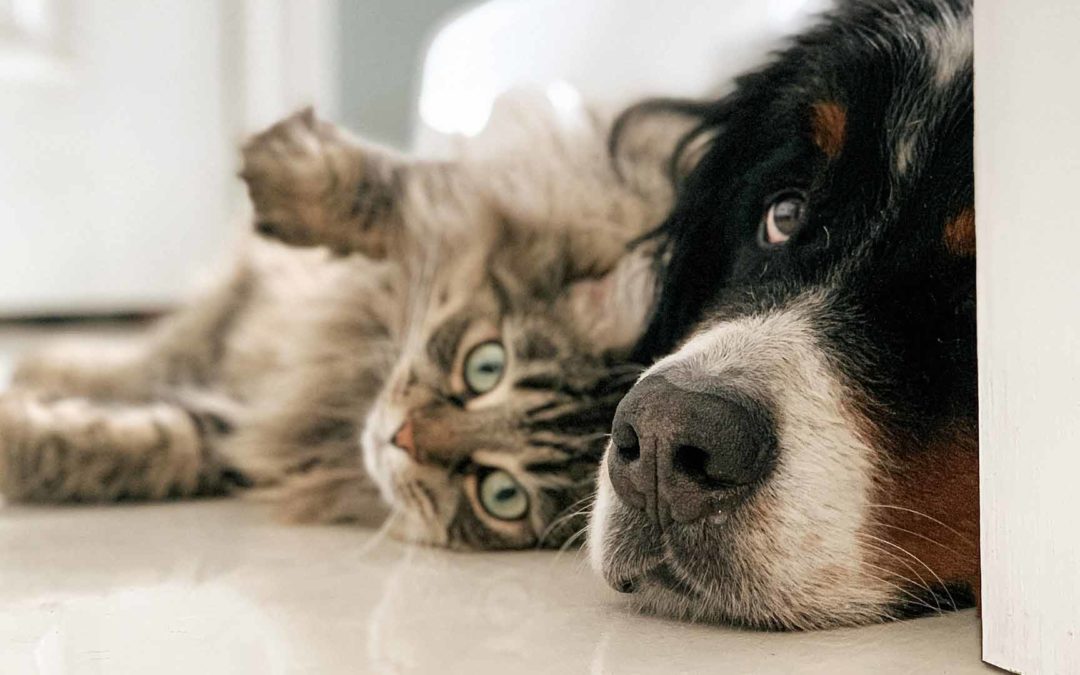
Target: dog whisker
(914, 598)
(914, 557)
(919, 535)
(959, 534)
(881, 549)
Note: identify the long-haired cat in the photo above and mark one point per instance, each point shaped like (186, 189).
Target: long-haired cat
(456, 345)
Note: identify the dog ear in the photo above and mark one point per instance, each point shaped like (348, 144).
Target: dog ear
(312, 183)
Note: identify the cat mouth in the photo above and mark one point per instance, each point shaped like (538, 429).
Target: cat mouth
(379, 456)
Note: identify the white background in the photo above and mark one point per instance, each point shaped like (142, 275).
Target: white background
(119, 123)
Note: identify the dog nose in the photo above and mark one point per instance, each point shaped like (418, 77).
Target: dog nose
(682, 454)
(403, 438)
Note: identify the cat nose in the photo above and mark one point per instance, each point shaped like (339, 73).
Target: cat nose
(682, 454)
(403, 438)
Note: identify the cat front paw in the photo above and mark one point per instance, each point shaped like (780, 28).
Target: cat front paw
(301, 174)
(312, 183)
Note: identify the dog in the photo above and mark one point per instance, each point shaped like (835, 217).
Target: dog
(805, 455)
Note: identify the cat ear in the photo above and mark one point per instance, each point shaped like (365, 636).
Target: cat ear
(610, 312)
(314, 184)
(523, 119)
(545, 162)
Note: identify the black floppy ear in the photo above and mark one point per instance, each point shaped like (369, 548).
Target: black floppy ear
(314, 184)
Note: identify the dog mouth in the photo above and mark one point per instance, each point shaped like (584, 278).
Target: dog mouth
(683, 462)
(735, 488)
(662, 576)
(645, 558)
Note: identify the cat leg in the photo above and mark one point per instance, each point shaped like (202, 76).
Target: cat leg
(183, 349)
(76, 449)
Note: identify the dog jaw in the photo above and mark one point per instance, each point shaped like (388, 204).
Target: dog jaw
(802, 551)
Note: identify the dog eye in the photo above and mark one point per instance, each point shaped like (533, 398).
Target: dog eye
(502, 496)
(484, 367)
(783, 218)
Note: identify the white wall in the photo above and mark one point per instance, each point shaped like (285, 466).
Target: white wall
(118, 142)
(114, 159)
(610, 51)
(1027, 178)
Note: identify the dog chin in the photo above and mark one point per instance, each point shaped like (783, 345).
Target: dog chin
(681, 579)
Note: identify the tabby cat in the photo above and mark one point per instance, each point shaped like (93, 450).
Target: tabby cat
(453, 342)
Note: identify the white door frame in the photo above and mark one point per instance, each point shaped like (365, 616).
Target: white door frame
(1027, 171)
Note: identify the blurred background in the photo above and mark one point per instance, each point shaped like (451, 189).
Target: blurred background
(119, 119)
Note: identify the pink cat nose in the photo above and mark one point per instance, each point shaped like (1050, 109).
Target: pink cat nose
(403, 438)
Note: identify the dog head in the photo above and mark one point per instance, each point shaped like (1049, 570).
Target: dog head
(806, 456)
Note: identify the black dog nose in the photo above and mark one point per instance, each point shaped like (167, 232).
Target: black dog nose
(680, 453)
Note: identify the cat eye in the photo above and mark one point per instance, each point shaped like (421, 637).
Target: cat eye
(785, 215)
(502, 496)
(484, 367)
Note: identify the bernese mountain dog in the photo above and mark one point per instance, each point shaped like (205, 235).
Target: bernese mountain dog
(805, 455)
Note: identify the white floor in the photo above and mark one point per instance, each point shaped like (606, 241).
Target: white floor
(219, 587)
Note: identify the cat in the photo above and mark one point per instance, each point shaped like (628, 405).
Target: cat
(443, 341)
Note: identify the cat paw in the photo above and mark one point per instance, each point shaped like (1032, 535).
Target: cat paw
(74, 449)
(301, 175)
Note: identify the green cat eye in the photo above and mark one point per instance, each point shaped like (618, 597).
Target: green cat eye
(484, 367)
(502, 496)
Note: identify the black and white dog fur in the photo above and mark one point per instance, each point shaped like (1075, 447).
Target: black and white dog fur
(805, 455)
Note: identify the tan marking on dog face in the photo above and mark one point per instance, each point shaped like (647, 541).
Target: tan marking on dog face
(960, 233)
(829, 127)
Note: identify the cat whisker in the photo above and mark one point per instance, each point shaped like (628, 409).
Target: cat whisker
(380, 535)
(571, 540)
(411, 502)
(423, 501)
(565, 517)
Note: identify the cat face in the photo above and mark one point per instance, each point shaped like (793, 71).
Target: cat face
(491, 425)
(513, 312)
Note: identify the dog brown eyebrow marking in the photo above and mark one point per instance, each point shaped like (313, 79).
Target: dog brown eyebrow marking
(829, 127)
(960, 233)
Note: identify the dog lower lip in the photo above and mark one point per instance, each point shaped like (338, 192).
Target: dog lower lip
(664, 576)
(627, 585)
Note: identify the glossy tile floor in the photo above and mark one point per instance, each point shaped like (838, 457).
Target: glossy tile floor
(218, 587)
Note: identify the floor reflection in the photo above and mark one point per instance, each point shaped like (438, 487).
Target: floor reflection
(217, 587)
